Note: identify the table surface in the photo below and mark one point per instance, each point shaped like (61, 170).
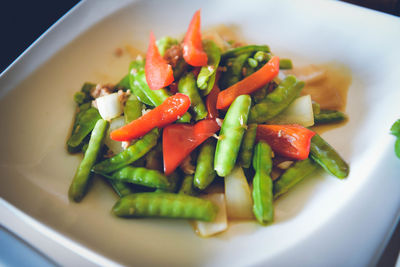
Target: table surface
(30, 19)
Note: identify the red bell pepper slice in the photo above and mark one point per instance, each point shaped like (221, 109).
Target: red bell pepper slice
(179, 140)
(169, 111)
(249, 84)
(193, 52)
(158, 72)
(292, 141)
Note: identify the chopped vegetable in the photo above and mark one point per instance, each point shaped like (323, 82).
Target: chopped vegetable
(292, 141)
(169, 111)
(158, 72)
(109, 106)
(193, 52)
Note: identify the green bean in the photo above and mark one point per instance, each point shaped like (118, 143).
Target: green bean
(246, 149)
(286, 92)
(262, 183)
(138, 80)
(327, 157)
(174, 179)
(187, 186)
(124, 83)
(80, 183)
(84, 124)
(233, 73)
(165, 205)
(187, 86)
(205, 172)
(231, 135)
(164, 43)
(133, 109)
(249, 49)
(140, 176)
(329, 116)
(129, 155)
(206, 77)
(121, 188)
(293, 175)
(285, 64)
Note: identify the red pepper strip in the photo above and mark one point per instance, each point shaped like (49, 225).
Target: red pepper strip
(249, 84)
(211, 101)
(292, 141)
(169, 111)
(193, 52)
(158, 72)
(179, 140)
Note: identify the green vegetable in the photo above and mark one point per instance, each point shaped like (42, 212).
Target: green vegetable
(154, 158)
(276, 101)
(316, 107)
(79, 97)
(233, 73)
(252, 62)
(249, 49)
(293, 175)
(395, 129)
(328, 158)
(262, 184)
(285, 64)
(140, 176)
(187, 86)
(80, 183)
(121, 188)
(397, 148)
(206, 77)
(124, 83)
(205, 173)
(84, 124)
(165, 205)
(246, 149)
(260, 94)
(329, 116)
(231, 135)
(187, 186)
(262, 56)
(165, 43)
(133, 109)
(129, 155)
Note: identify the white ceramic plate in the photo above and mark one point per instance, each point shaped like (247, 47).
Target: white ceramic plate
(322, 222)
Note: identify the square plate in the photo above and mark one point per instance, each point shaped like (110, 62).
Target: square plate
(317, 224)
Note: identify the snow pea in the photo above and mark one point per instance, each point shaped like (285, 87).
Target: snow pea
(231, 135)
(133, 108)
(165, 205)
(329, 116)
(79, 185)
(293, 175)
(327, 157)
(276, 101)
(249, 49)
(140, 176)
(205, 172)
(206, 77)
(121, 188)
(84, 124)
(285, 64)
(187, 86)
(129, 155)
(233, 72)
(187, 186)
(246, 149)
(262, 183)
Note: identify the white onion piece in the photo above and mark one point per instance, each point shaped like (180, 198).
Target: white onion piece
(239, 202)
(300, 111)
(114, 146)
(109, 106)
(220, 223)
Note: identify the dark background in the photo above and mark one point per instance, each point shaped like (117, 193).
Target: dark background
(25, 21)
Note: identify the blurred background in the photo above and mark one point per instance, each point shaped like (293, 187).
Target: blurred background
(22, 22)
